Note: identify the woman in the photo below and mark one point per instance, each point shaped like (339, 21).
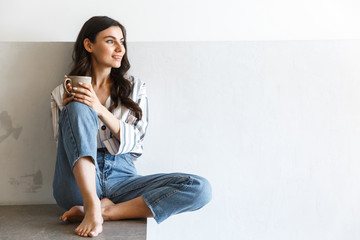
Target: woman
(100, 130)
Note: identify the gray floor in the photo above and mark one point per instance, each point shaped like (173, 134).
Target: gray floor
(42, 222)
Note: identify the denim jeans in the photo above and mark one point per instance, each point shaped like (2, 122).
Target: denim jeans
(116, 175)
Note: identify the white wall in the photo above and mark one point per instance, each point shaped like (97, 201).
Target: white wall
(286, 112)
(273, 125)
(186, 20)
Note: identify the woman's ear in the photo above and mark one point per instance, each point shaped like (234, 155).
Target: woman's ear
(88, 45)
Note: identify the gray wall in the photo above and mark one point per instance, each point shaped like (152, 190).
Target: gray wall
(274, 126)
(29, 73)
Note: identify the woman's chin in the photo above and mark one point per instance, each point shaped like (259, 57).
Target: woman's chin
(116, 65)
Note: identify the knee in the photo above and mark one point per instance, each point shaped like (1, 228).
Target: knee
(78, 108)
(76, 111)
(203, 191)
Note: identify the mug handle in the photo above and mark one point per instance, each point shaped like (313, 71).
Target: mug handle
(64, 85)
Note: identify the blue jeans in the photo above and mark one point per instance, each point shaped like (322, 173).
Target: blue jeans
(116, 175)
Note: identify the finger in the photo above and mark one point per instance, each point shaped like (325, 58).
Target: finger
(83, 97)
(65, 96)
(79, 100)
(82, 101)
(82, 91)
(68, 87)
(86, 86)
(67, 100)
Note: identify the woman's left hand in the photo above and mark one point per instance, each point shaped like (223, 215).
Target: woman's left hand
(88, 96)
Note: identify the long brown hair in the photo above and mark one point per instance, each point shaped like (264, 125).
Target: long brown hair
(121, 87)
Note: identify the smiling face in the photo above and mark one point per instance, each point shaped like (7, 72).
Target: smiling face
(108, 49)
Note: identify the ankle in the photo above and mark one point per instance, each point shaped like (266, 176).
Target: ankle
(106, 213)
(92, 203)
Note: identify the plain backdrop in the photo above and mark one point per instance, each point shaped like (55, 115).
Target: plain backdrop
(260, 97)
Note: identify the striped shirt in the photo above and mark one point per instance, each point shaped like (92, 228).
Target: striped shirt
(132, 131)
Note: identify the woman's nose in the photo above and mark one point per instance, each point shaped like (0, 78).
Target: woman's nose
(118, 48)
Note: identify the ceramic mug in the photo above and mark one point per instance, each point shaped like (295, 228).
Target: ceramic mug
(74, 82)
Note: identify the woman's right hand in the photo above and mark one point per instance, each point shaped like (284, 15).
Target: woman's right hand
(66, 97)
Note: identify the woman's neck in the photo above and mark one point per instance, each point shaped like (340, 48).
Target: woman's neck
(100, 77)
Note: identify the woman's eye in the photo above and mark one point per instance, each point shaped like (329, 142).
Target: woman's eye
(110, 41)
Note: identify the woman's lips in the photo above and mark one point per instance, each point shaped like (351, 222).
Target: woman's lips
(117, 58)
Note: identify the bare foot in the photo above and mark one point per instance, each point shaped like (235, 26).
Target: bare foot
(91, 225)
(75, 214)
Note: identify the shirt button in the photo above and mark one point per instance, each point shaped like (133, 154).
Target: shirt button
(103, 127)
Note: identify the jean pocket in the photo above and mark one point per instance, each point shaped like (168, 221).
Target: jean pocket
(129, 159)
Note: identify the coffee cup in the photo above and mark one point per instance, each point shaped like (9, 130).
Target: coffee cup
(74, 82)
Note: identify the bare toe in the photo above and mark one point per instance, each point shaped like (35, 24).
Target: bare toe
(78, 230)
(91, 224)
(83, 233)
(86, 232)
(93, 234)
(75, 214)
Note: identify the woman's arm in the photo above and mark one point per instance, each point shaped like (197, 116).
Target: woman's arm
(88, 96)
(132, 130)
(128, 135)
(110, 121)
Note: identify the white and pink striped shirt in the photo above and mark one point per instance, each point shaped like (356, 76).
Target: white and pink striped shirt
(132, 132)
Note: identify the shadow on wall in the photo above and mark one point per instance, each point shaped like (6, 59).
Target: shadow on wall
(28, 153)
(31, 182)
(6, 127)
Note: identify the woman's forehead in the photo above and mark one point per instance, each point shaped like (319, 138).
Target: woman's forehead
(113, 31)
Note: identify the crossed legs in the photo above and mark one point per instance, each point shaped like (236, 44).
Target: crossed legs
(75, 180)
(165, 194)
(94, 211)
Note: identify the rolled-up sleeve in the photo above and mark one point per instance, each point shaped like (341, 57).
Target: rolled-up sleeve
(56, 106)
(132, 131)
(55, 117)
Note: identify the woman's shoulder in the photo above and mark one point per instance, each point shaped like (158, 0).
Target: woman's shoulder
(135, 81)
(139, 86)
